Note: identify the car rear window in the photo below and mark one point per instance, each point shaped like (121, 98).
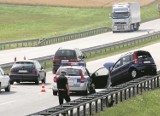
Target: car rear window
(65, 54)
(23, 64)
(141, 54)
(70, 71)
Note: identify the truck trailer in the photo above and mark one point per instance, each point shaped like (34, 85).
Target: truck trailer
(125, 17)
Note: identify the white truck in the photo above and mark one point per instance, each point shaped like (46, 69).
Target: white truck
(125, 17)
(4, 81)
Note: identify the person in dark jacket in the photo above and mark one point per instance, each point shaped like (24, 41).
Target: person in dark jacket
(63, 88)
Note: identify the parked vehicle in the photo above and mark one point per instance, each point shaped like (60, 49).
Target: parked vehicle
(27, 71)
(129, 66)
(4, 81)
(78, 78)
(73, 55)
(126, 17)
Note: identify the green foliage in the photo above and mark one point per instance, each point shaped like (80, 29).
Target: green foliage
(28, 22)
(142, 105)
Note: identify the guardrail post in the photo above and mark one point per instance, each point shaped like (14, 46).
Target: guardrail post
(121, 96)
(117, 98)
(134, 90)
(107, 102)
(102, 101)
(137, 89)
(90, 108)
(125, 94)
(141, 87)
(157, 81)
(151, 84)
(129, 92)
(84, 110)
(71, 112)
(148, 85)
(96, 106)
(78, 112)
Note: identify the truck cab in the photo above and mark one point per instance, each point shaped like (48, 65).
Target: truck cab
(125, 17)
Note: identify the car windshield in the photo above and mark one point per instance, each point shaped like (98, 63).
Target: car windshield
(70, 72)
(120, 15)
(65, 54)
(23, 64)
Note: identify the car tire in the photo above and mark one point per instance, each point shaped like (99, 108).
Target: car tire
(133, 73)
(44, 80)
(0, 87)
(11, 82)
(8, 88)
(55, 92)
(37, 82)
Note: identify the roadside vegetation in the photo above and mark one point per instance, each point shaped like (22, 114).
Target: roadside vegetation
(19, 22)
(142, 105)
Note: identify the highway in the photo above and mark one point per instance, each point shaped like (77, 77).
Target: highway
(27, 98)
(34, 52)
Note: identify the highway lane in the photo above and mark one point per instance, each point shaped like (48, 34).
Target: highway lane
(34, 52)
(27, 98)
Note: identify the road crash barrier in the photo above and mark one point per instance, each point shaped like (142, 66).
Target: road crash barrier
(101, 49)
(94, 103)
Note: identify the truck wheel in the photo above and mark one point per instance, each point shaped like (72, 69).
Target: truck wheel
(8, 88)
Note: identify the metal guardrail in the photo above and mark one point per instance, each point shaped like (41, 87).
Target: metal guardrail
(16, 44)
(68, 37)
(52, 40)
(88, 105)
(102, 49)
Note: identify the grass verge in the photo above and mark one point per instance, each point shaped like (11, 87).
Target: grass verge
(28, 22)
(142, 105)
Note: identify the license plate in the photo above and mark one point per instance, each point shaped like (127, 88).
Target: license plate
(147, 62)
(23, 71)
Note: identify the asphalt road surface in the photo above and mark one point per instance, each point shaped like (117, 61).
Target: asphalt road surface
(34, 52)
(27, 98)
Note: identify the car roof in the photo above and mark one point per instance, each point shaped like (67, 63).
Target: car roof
(75, 67)
(130, 53)
(25, 61)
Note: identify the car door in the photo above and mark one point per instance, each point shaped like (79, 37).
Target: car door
(116, 72)
(40, 70)
(100, 78)
(4, 79)
(120, 70)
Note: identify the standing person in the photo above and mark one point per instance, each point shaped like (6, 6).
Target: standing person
(63, 88)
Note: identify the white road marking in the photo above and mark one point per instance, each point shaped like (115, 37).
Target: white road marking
(7, 102)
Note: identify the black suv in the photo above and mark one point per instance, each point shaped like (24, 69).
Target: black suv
(73, 55)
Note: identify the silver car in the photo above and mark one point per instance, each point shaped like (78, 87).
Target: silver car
(78, 79)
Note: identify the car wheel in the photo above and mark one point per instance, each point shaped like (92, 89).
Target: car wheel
(8, 88)
(37, 82)
(44, 80)
(11, 82)
(55, 92)
(0, 87)
(18, 81)
(87, 91)
(134, 73)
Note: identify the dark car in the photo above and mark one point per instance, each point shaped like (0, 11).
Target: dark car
(129, 66)
(73, 55)
(27, 71)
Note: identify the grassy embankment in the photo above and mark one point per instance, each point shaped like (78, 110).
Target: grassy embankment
(28, 22)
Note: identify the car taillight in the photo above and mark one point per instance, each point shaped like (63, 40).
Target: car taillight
(55, 78)
(135, 58)
(82, 77)
(56, 60)
(34, 71)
